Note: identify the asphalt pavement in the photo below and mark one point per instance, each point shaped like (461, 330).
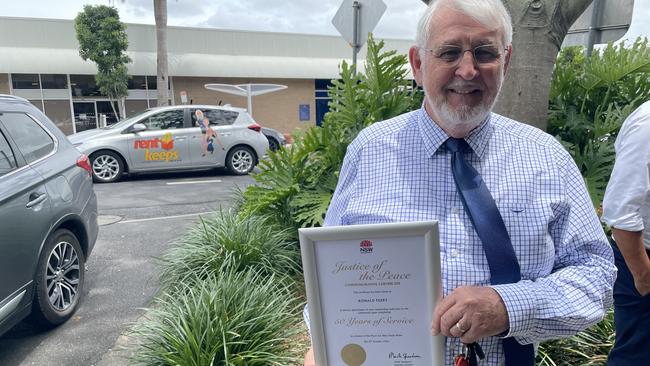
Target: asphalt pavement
(140, 217)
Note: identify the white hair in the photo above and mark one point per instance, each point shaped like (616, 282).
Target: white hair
(486, 12)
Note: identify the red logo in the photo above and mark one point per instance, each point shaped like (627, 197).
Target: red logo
(165, 143)
(365, 246)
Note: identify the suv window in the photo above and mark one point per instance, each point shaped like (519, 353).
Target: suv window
(7, 159)
(165, 120)
(217, 117)
(32, 140)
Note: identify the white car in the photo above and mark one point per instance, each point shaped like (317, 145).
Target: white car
(173, 138)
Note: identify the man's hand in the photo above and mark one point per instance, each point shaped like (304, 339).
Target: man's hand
(470, 313)
(642, 283)
(630, 243)
(309, 358)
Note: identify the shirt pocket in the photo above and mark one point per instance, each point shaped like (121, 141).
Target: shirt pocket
(528, 226)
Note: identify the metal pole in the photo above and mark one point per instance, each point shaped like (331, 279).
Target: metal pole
(593, 28)
(250, 99)
(355, 30)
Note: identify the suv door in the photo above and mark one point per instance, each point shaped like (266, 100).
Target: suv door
(164, 145)
(24, 203)
(209, 148)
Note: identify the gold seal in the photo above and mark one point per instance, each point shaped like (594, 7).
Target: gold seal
(353, 355)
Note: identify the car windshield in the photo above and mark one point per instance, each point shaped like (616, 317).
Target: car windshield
(125, 122)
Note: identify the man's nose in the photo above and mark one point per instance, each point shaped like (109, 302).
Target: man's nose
(466, 68)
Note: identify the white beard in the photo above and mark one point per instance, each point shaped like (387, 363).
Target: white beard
(460, 121)
(464, 118)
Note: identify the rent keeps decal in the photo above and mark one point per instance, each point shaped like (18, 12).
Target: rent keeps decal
(164, 145)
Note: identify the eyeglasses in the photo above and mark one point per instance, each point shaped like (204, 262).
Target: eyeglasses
(484, 55)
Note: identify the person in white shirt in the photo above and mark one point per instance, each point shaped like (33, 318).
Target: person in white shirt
(626, 209)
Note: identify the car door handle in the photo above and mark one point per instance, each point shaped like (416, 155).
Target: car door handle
(35, 199)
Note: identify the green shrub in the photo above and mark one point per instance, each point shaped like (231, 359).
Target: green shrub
(250, 241)
(589, 100)
(234, 318)
(296, 185)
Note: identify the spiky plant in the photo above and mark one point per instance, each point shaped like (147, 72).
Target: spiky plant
(249, 241)
(235, 318)
(587, 348)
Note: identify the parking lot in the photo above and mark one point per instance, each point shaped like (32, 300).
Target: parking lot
(140, 217)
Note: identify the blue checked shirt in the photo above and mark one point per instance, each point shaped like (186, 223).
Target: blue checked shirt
(398, 170)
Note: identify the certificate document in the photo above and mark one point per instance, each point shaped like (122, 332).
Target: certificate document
(371, 291)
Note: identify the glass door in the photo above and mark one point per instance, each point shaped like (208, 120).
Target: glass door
(85, 116)
(104, 107)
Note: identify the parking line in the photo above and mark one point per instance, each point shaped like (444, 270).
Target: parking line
(164, 217)
(193, 182)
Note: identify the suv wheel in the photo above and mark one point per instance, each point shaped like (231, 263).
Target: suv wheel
(240, 160)
(59, 279)
(107, 166)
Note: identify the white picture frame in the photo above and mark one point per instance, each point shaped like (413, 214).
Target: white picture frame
(371, 290)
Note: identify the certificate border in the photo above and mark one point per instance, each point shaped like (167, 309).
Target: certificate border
(309, 237)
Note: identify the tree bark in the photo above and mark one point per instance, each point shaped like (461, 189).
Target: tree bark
(539, 30)
(160, 14)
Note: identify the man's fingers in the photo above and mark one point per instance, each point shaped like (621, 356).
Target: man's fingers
(452, 323)
(441, 308)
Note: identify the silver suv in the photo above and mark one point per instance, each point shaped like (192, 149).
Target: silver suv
(48, 217)
(174, 138)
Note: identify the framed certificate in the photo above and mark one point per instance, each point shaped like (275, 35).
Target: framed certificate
(371, 290)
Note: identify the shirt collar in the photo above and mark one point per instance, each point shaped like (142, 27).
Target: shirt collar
(434, 136)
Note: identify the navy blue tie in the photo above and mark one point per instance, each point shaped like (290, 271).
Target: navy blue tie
(488, 223)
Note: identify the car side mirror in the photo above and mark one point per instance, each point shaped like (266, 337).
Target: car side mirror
(137, 127)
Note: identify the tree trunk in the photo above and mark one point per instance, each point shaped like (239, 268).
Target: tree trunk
(112, 101)
(160, 13)
(122, 107)
(539, 30)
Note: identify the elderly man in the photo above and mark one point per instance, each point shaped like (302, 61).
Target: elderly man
(524, 258)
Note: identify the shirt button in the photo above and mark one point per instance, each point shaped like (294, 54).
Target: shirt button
(455, 210)
(454, 253)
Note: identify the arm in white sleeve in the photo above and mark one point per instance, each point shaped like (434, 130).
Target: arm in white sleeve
(630, 182)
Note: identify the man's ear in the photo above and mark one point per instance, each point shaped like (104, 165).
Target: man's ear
(416, 64)
(507, 62)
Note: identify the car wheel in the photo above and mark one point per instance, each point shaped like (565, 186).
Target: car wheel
(274, 145)
(59, 279)
(240, 160)
(107, 166)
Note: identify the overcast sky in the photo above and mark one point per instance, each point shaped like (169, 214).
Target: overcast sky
(294, 16)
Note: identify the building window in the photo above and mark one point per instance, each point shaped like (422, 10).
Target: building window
(138, 82)
(59, 112)
(54, 81)
(322, 99)
(84, 86)
(152, 82)
(25, 81)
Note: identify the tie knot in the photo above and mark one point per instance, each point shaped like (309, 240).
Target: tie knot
(456, 145)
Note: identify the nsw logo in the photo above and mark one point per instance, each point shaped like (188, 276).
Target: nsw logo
(365, 247)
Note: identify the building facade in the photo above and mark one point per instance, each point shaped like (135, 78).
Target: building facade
(41, 63)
